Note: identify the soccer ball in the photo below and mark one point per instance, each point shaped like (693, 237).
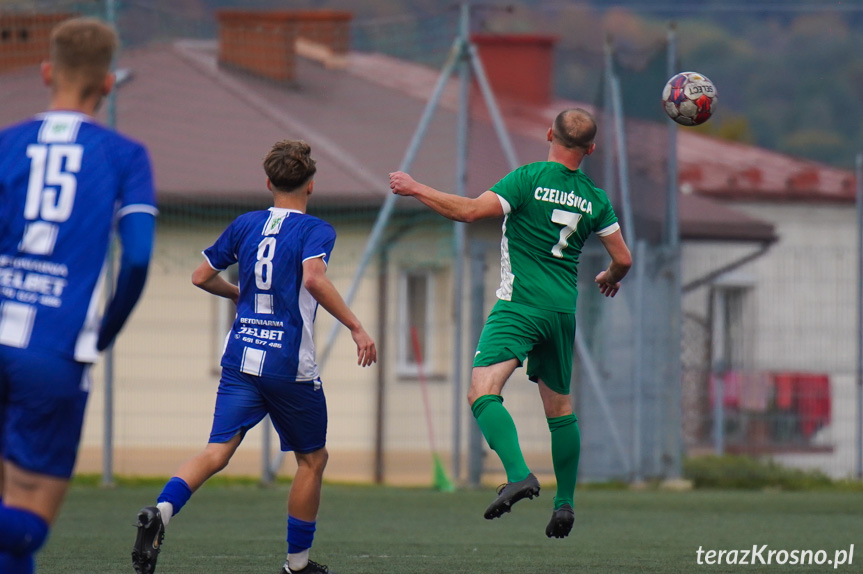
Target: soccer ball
(689, 98)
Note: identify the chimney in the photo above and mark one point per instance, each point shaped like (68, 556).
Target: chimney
(324, 36)
(25, 38)
(266, 43)
(258, 42)
(518, 66)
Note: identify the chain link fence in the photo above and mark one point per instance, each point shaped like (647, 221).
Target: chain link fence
(767, 352)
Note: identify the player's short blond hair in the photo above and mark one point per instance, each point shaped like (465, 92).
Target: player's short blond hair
(289, 165)
(81, 52)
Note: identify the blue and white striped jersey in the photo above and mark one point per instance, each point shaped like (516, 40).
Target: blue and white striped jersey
(64, 182)
(272, 335)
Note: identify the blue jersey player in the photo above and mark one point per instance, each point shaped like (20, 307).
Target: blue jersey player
(65, 184)
(268, 366)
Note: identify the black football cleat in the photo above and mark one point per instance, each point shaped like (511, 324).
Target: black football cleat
(561, 522)
(510, 493)
(311, 568)
(151, 532)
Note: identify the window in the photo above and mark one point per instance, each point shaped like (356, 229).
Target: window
(739, 343)
(733, 322)
(416, 310)
(761, 412)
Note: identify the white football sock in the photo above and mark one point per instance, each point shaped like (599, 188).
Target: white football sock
(166, 509)
(298, 560)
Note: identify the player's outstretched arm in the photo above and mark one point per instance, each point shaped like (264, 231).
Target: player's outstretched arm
(608, 281)
(315, 280)
(450, 206)
(210, 281)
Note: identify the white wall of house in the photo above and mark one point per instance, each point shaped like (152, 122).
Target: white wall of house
(808, 296)
(800, 308)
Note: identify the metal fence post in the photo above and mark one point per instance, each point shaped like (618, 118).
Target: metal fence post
(477, 320)
(108, 366)
(859, 177)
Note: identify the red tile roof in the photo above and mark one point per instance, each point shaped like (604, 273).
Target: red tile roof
(730, 170)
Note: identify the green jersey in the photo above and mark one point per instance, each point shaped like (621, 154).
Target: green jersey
(550, 210)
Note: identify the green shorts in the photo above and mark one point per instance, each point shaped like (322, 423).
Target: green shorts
(545, 338)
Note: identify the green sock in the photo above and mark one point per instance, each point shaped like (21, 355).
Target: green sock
(565, 451)
(501, 435)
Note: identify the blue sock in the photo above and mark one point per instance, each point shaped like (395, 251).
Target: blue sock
(300, 535)
(16, 564)
(22, 533)
(177, 492)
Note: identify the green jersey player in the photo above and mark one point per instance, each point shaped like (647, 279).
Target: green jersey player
(550, 208)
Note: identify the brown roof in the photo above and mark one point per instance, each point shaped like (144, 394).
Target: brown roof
(207, 129)
(203, 137)
(729, 170)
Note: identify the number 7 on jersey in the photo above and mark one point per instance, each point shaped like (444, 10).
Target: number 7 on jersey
(569, 220)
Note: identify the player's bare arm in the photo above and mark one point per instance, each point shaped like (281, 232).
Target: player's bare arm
(315, 280)
(608, 280)
(451, 206)
(210, 281)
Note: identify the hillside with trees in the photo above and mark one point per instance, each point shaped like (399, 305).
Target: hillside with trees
(787, 79)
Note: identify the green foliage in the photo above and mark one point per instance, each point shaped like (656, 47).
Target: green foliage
(795, 81)
(793, 76)
(819, 144)
(729, 127)
(748, 473)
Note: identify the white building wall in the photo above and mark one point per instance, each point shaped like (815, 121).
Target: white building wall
(807, 287)
(803, 309)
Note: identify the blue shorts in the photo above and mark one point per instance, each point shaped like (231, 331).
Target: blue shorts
(298, 409)
(42, 402)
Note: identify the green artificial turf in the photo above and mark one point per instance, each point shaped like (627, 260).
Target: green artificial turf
(381, 530)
